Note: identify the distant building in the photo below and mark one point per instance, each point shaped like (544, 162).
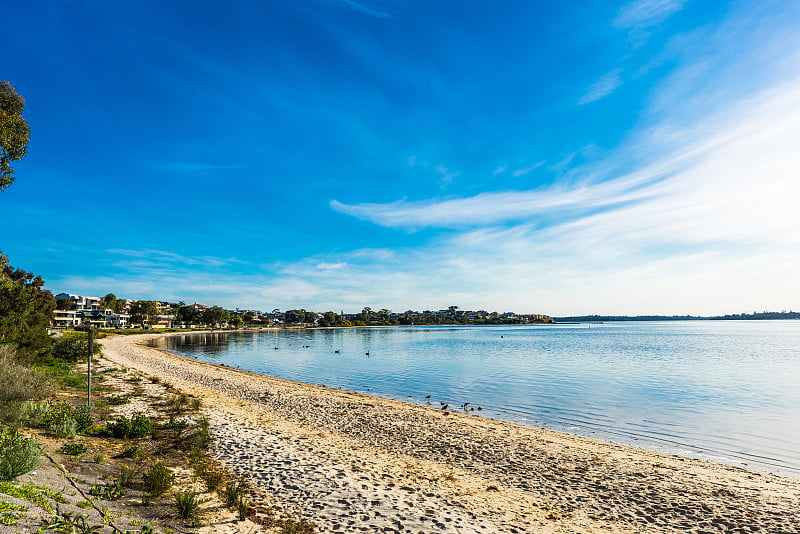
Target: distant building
(86, 310)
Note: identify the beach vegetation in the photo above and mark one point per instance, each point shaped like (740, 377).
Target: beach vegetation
(19, 384)
(127, 476)
(158, 479)
(233, 492)
(60, 418)
(137, 426)
(188, 504)
(131, 451)
(73, 347)
(18, 454)
(72, 449)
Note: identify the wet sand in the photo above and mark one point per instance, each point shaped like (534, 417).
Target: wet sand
(355, 463)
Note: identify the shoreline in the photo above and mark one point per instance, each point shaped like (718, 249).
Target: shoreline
(352, 462)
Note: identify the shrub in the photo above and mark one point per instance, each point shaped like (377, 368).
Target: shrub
(72, 449)
(158, 479)
(18, 384)
(60, 418)
(73, 347)
(138, 426)
(18, 454)
(116, 400)
(131, 451)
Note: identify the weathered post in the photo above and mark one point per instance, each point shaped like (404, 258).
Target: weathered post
(89, 369)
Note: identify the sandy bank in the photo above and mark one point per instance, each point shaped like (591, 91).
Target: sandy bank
(354, 463)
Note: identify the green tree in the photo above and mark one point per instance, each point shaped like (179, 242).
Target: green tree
(26, 311)
(248, 317)
(14, 132)
(214, 316)
(65, 304)
(188, 314)
(143, 311)
(236, 320)
(110, 302)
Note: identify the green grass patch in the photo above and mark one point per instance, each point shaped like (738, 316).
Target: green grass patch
(39, 495)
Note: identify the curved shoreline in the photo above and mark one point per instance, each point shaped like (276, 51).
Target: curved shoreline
(351, 461)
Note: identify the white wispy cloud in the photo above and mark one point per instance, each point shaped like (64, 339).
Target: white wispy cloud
(525, 170)
(707, 226)
(364, 8)
(641, 14)
(603, 87)
(166, 257)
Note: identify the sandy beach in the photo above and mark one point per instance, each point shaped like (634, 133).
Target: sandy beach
(355, 463)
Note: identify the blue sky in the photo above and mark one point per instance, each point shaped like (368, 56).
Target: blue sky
(603, 157)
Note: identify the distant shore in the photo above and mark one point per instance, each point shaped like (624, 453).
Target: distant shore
(351, 462)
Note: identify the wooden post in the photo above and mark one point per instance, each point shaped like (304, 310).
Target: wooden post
(89, 369)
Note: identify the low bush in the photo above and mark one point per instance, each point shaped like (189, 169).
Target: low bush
(138, 426)
(116, 400)
(158, 479)
(59, 418)
(73, 347)
(18, 384)
(18, 454)
(131, 451)
(72, 449)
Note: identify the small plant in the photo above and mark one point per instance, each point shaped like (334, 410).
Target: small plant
(60, 418)
(188, 505)
(233, 493)
(117, 400)
(65, 428)
(178, 402)
(195, 404)
(72, 449)
(175, 424)
(100, 458)
(242, 508)
(158, 479)
(18, 454)
(109, 492)
(131, 451)
(211, 475)
(64, 522)
(126, 476)
(138, 426)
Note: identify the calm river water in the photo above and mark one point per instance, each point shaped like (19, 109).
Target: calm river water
(727, 391)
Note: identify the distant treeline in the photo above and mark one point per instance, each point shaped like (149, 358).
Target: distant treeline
(732, 317)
